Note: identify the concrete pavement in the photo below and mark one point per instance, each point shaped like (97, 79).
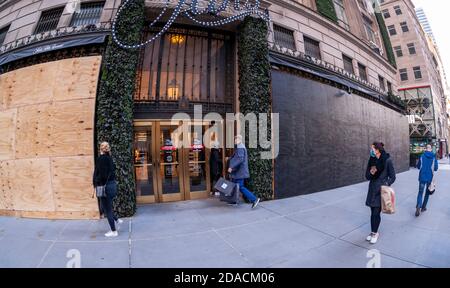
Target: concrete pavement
(326, 229)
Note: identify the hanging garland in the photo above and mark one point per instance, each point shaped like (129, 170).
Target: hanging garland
(190, 11)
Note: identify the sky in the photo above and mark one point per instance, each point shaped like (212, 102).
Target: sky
(437, 12)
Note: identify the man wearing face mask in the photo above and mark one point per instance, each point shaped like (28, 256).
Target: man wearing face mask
(427, 164)
(238, 169)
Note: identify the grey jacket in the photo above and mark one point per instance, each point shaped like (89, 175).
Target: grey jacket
(239, 163)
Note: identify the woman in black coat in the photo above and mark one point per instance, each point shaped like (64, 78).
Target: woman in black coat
(104, 174)
(380, 172)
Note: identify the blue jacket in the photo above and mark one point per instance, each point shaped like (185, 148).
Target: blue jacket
(239, 163)
(425, 165)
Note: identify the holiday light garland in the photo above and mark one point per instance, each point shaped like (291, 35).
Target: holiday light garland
(191, 11)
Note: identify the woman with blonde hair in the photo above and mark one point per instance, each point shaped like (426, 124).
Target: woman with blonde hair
(104, 175)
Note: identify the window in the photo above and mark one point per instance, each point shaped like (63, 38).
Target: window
(193, 74)
(312, 48)
(411, 48)
(386, 13)
(381, 80)
(398, 51)
(362, 71)
(389, 87)
(404, 26)
(403, 74)
(398, 10)
(3, 33)
(340, 13)
(89, 13)
(417, 72)
(49, 20)
(392, 30)
(348, 64)
(369, 30)
(284, 37)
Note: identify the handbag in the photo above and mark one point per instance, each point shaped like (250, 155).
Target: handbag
(432, 186)
(100, 191)
(387, 200)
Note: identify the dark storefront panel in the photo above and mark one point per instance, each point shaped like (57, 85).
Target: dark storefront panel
(325, 135)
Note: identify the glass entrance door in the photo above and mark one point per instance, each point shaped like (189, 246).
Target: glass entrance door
(165, 170)
(170, 174)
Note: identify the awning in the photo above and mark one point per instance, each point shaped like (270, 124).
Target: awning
(51, 45)
(298, 64)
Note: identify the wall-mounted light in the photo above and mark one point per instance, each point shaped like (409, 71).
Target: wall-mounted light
(177, 38)
(173, 90)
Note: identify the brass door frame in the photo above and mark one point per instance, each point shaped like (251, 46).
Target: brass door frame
(153, 198)
(183, 166)
(187, 187)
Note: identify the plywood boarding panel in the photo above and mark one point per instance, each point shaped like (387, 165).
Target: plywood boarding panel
(72, 128)
(77, 78)
(72, 183)
(7, 169)
(7, 133)
(57, 129)
(32, 185)
(31, 85)
(74, 78)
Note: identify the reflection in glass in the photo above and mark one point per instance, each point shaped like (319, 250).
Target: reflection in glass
(143, 167)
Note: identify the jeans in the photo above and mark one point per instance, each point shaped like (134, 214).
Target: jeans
(249, 195)
(107, 204)
(375, 219)
(421, 202)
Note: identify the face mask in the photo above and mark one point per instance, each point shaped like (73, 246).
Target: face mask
(372, 153)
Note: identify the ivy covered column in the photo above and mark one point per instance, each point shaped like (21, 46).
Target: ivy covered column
(255, 96)
(115, 104)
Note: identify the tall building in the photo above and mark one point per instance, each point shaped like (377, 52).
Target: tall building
(332, 79)
(423, 20)
(420, 77)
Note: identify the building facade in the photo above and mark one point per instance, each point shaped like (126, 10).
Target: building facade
(420, 77)
(332, 83)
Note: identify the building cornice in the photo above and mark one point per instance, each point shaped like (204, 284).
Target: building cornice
(313, 15)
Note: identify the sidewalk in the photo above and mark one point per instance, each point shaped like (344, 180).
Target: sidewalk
(327, 229)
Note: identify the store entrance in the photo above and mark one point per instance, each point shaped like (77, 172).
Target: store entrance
(167, 171)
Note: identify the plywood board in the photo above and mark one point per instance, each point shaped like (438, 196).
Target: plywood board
(32, 185)
(77, 78)
(72, 183)
(7, 133)
(57, 129)
(7, 169)
(31, 85)
(72, 128)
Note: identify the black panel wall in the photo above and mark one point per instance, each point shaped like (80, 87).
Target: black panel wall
(325, 135)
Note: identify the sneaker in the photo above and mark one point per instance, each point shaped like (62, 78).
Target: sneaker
(369, 237)
(112, 234)
(424, 210)
(417, 212)
(119, 221)
(374, 238)
(255, 203)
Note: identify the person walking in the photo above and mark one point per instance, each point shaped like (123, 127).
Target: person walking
(380, 172)
(425, 164)
(238, 169)
(215, 164)
(104, 174)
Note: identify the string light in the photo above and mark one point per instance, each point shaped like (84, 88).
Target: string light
(191, 11)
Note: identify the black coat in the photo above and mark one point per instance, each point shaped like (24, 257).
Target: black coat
(386, 178)
(215, 164)
(104, 170)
